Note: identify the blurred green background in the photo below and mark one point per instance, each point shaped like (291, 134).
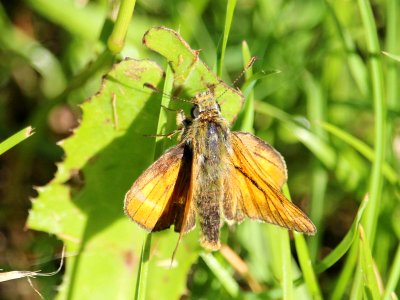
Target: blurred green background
(332, 110)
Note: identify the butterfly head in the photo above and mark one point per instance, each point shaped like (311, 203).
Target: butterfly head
(204, 102)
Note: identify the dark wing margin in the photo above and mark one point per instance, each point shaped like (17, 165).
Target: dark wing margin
(185, 216)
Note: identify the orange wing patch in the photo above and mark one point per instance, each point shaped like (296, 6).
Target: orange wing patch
(266, 161)
(257, 174)
(158, 197)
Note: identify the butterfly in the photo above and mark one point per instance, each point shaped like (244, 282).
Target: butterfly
(214, 175)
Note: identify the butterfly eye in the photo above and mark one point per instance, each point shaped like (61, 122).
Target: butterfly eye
(195, 111)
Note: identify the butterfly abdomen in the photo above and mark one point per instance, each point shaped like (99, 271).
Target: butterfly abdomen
(209, 154)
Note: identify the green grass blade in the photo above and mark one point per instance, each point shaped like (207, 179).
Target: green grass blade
(341, 249)
(346, 273)
(392, 56)
(306, 266)
(379, 99)
(316, 107)
(15, 139)
(355, 62)
(319, 178)
(230, 8)
(85, 23)
(143, 270)
(394, 275)
(248, 110)
(316, 145)
(286, 257)
(367, 267)
(15, 40)
(392, 75)
(252, 80)
(370, 218)
(141, 283)
(359, 290)
(226, 280)
(116, 40)
(362, 148)
(287, 275)
(337, 253)
(166, 121)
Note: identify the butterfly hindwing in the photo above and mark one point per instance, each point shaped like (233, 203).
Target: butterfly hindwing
(257, 173)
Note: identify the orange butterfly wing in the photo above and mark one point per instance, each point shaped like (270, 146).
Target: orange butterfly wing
(158, 198)
(258, 172)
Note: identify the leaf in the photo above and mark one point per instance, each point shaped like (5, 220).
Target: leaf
(368, 269)
(110, 150)
(190, 72)
(166, 281)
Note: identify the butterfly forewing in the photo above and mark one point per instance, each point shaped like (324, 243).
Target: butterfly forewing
(265, 160)
(257, 173)
(157, 198)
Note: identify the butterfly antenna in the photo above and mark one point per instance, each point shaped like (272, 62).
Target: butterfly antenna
(157, 90)
(248, 66)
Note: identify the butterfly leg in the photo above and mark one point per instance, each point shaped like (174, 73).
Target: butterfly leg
(168, 135)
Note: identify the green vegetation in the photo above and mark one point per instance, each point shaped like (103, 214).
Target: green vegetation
(324, 91)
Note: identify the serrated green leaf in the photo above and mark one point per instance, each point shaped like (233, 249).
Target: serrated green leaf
(190, 72)
(111, 150)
